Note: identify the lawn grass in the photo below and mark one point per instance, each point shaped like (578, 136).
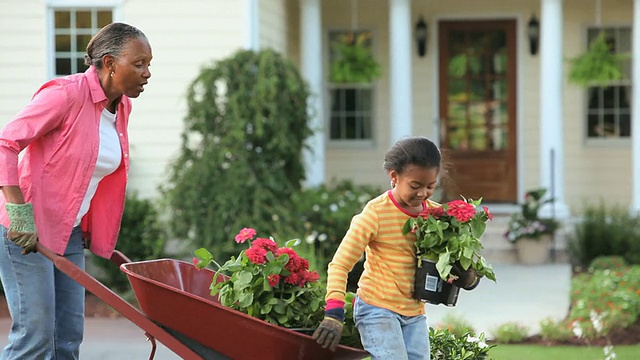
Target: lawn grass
(537, 352)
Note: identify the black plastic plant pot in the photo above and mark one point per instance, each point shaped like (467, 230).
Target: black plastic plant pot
(430, 287)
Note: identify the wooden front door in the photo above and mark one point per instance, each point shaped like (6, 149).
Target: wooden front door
(478, 108)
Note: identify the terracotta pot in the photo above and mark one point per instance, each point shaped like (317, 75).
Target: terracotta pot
(534, 251)
(430, 287)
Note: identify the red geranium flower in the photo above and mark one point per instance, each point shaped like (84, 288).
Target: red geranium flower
(273, 279)
(266, 244)
(461, 210)
(245, 234)
(294, 264)
(256, 255)
(436, 212)
(293, 279)
(489, 214)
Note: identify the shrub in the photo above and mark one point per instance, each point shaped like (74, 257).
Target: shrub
(606, 231)
(241, 155)
(510, 333)
(555, 330)
(604, 300)
(324, 214)
(455, 325)
(446, 346)
(141, 237)
(615, 263)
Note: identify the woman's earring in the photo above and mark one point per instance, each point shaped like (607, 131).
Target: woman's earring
(111, 73)
(393, 184)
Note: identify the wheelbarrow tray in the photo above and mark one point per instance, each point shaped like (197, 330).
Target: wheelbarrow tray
(176, 295)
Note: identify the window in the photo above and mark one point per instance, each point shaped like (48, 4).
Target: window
(608, 107)
(73, 29)
(351, 104)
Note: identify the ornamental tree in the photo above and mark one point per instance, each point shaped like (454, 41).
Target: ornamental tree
(241, 154)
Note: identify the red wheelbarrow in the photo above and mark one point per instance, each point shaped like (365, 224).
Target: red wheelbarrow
(178, 310)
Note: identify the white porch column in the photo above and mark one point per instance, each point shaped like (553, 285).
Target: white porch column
(401, 110)
(551, 110)
(635, 108)
(252, 37)
(311, 65)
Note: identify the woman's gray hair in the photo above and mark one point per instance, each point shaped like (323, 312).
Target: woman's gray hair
(109, 41)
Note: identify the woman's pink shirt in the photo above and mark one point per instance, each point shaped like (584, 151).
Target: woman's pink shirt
(59, 131)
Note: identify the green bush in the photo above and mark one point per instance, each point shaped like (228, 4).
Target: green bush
(616, 263)
(555, 330)
(604, 300)
(324, 213)
(241, 156)
(447, 346)
(455, 325)
(510, 333)
(606, 231)
(141, 237)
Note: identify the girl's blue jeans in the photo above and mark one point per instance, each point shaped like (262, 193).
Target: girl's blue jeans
(46, 306)
(388, 335)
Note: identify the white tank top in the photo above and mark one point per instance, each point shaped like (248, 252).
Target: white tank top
(109, 157)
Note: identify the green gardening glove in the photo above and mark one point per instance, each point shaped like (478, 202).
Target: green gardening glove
(22, 227)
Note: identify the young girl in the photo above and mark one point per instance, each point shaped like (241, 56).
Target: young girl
(391, 323)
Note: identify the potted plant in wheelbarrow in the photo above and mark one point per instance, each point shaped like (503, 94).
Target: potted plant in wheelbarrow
(448, 250)
(273, 283)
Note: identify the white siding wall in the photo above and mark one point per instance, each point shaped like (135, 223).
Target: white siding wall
(184, 36)
(273, 25)
(22, 54)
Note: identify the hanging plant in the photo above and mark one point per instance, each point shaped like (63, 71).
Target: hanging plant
(354, 62)
(598, 66)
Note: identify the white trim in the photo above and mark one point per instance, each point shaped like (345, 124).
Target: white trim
(635, 108)
(252, 36)
(400, 70)
(83, 3)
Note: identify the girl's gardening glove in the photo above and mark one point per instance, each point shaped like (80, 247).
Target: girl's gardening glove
(22, 227)
(329, 332)
(467, 279)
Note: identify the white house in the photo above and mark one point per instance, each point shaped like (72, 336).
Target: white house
(508, 123)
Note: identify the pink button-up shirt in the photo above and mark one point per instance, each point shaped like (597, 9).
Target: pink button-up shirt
(60, 132)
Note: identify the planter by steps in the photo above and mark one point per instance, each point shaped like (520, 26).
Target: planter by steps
(430, 287)
(533, 251)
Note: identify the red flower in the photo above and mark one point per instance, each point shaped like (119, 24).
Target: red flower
(489, 214)
(266, 244)
(295, 262)
(293, 279)
(311, 276)
(461, 210)
(273, 279)
(245, 234)
(436, 212)
(195, 261)
(256, 255)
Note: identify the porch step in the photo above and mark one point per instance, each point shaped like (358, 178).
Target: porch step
(498, 250)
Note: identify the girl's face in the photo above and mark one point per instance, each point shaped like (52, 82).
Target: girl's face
(415, 185)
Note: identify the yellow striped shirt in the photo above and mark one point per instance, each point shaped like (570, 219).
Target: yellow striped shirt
(389, 269)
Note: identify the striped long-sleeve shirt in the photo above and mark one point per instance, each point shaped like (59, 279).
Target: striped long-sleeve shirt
(389, 269)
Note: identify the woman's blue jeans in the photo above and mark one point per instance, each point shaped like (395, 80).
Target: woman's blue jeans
(388, 335)
(46, 306)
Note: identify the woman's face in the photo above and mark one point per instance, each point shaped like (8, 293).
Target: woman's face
(415, 185)
(131, 69)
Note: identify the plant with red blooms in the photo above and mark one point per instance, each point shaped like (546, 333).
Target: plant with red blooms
(450, 235)
(268, 282)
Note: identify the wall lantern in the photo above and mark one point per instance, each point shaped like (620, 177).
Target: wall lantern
(421, 37)
(533, 30)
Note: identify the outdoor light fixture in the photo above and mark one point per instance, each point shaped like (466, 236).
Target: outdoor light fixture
(534, 34)
(421, 37)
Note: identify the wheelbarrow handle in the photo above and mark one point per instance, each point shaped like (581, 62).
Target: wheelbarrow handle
(112, 299)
